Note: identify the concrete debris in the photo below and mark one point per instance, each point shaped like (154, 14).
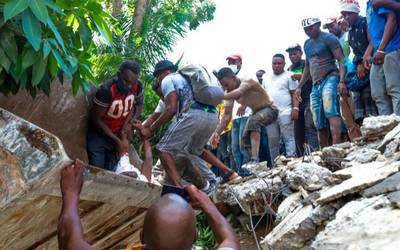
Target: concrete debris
(362, 155)
(394, 198)
(346, 196)
(308, 175)
(363, 176)
(378, 126)
(299, 227)
(362, 224)
(388, 185)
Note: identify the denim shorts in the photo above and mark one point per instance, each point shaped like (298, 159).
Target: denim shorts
(325, 101)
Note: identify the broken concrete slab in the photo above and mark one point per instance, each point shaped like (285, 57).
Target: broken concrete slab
(308, 175)
(363, 176)
(392, 147)
(362, 224)
(393, 134)
(378, 126)
(388, 185)
(287, 206)
(299, 227)
(394, 198)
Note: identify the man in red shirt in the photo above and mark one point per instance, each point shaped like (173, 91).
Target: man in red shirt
(117, 102)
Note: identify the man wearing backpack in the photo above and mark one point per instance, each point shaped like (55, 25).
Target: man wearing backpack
(189, 133)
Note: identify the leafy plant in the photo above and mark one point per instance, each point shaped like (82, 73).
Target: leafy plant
(43, 39)
(205, 237)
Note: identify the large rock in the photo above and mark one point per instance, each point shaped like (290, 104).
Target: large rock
(288, 205)
(363, 176)
(308, 175)
(364, 224)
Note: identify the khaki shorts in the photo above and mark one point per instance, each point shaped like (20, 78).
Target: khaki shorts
(256, 121)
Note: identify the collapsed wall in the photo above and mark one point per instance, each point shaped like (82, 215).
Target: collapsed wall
(344, 197)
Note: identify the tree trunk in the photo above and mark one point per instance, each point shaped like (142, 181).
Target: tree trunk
(117, 6)
(140, 10)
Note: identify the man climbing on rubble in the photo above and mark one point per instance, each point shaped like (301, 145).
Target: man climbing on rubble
(304, 129)
(281, 87)
(190, 131)
(170, 223)
(322, 51)
(115, 104)
(249, 92)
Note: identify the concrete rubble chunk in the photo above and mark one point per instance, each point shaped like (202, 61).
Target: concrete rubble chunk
(363, 176)
(388, 185)
(363, 155)
(288, 205)
(392, 135)
(392, 147)
(394, 198)
(299, 227)
(308, 175)
(363, 224)
(378, 126)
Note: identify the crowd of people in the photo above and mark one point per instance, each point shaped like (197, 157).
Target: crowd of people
(350, 71)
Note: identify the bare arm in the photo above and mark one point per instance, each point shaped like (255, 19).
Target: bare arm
(70, 232)
(237, 93)
(226, 118)
(390, 4)
(97, 114)
(170, 110)
(219, 225)
(390, 27)
(305, 76)
(151, 119)
(138, 107)
(338, 54)
(147, 164)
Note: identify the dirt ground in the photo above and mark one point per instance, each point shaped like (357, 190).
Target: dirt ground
(247, 241)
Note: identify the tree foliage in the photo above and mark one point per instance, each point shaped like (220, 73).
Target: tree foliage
(41, 39)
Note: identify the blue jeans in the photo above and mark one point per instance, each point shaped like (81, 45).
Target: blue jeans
(239, 153)
(264, 154)
(325, 101)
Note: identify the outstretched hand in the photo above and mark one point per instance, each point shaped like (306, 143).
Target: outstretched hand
(72, 179)
(198, 199)
(145, 133)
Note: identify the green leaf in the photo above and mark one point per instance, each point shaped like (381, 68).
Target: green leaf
(39, 9)
(76, 83)
(55, 32)
(52, 66)
(9, 45)
(61, 63)
(102, 27)
(29, 57)
(32, 29)
(46, 48)
(4, 61)
(38, 70)
(52, 5)
(14, 7)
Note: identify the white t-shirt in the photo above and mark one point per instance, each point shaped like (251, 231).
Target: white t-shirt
(279, 87)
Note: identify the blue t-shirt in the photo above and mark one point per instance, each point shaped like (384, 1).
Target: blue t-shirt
(176, 82)
(319, 54)
(376, 19)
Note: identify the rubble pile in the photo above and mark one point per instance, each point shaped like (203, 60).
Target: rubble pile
(344, 197)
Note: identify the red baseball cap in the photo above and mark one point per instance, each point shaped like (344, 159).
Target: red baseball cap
(329, 21)
(234, 57)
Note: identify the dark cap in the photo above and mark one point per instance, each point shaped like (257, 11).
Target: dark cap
(294, 46)
(163, 66)
(225, 72)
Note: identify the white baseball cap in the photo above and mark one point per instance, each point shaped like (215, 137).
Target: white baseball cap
(307, 22)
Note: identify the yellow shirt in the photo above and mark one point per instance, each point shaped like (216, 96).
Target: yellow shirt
(221, 110)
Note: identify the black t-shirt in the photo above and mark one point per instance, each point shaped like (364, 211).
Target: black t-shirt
(307, 87)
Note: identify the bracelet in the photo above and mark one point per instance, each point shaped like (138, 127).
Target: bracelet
(296, 108)
(381, 51)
